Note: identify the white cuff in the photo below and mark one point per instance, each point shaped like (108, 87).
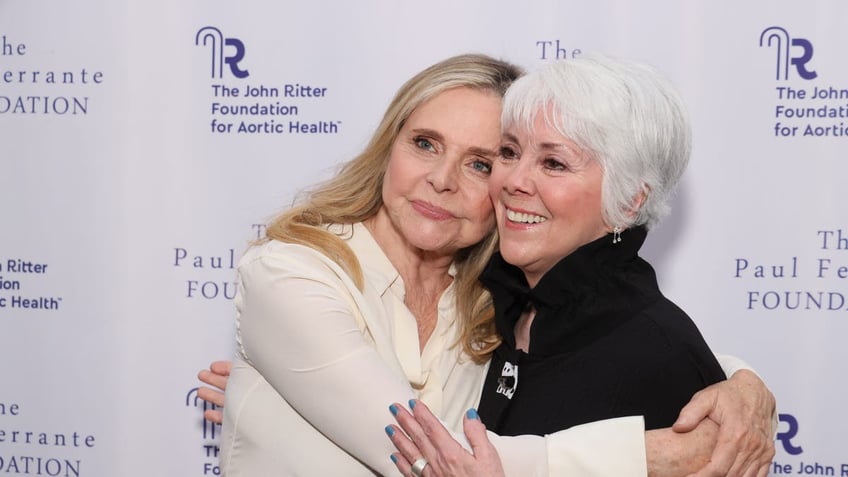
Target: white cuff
(609, 448)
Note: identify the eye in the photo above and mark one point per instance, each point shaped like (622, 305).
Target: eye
(425, 144)
(483, 166)
(553, 164)
(508, 153)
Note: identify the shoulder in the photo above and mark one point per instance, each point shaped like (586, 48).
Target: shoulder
(670, 322)
(659, 332)
(279, 262)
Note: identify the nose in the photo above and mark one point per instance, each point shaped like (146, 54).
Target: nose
(442, 175)
(518, 178)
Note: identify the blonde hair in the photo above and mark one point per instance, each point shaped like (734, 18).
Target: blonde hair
(355, 194)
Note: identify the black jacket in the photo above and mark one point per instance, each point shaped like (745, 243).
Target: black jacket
(604, 343)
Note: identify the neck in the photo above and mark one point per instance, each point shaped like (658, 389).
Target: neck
(522, 329)
(425, 274)
(412, 263)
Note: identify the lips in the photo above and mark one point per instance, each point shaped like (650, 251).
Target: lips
(431, 211)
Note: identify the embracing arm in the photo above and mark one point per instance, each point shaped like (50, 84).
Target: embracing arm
(726, 429)
(745, 411)
(583, 451)
(620, 447)
(298, 328)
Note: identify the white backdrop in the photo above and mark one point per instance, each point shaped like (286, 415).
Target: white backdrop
(123, 205)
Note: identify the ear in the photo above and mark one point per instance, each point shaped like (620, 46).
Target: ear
(636, 204)
(639, 200)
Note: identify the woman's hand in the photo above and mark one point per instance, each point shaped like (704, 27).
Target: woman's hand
(744, 408)
(429, 439)
(216, 376)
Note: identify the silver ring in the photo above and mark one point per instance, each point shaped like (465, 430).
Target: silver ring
(418, 466)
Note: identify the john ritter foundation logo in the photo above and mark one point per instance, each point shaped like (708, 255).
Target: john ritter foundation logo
(212, 38)
(795, 52)
(807, 106)
(264, 106)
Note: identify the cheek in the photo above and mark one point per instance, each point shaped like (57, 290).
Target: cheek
(395, 177)
(496, 181)
(485, 212)
(477, 197)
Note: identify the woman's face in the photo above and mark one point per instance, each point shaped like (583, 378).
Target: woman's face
(547, 198)
(435, 190)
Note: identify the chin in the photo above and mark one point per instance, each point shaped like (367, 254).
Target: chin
(429, 243)
(513, 257)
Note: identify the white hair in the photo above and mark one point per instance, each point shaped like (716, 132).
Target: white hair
(626, 115)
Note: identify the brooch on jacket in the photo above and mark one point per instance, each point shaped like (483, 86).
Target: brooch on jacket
(508, 381)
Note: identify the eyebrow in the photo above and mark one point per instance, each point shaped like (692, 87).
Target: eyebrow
(477, 151)
(549, 146)
(555, 146)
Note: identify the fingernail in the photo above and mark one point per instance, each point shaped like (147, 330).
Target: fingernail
(394, 458)
(412, 403)
(390, 431)
(472, 414)
(393, 409)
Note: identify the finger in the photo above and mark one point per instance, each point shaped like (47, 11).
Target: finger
(753, 447)
(755, 455)
(475, 431)
(725, 453)
(415, 443)
(214, 416)
(408, 452)
(222, 368)
(402, 464)
(702, 405)
(734, 453)
(212, 379)
(441, 439)
(211, 395)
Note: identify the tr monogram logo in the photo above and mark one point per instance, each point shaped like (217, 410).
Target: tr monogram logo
(779, 38)
(212, 37)
(210, 430)
(786, 436)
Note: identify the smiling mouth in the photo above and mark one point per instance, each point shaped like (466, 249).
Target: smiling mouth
(522, 218)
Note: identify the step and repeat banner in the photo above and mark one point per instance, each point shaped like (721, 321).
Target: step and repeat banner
(144, 144)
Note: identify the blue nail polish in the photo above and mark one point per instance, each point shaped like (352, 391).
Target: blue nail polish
(472, 414)
(394, 458)
(412, 403)
(390, 431)
(393, 409)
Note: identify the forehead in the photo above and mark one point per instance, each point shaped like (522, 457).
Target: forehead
(539, 131)
(465, 105)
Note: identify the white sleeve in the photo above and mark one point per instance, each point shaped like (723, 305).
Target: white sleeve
(608, 448)
(731, 364)
(297, 328)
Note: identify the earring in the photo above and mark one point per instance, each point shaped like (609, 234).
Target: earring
(616, 234)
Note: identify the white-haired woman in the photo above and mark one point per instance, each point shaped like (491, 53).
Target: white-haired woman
(591, 150)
